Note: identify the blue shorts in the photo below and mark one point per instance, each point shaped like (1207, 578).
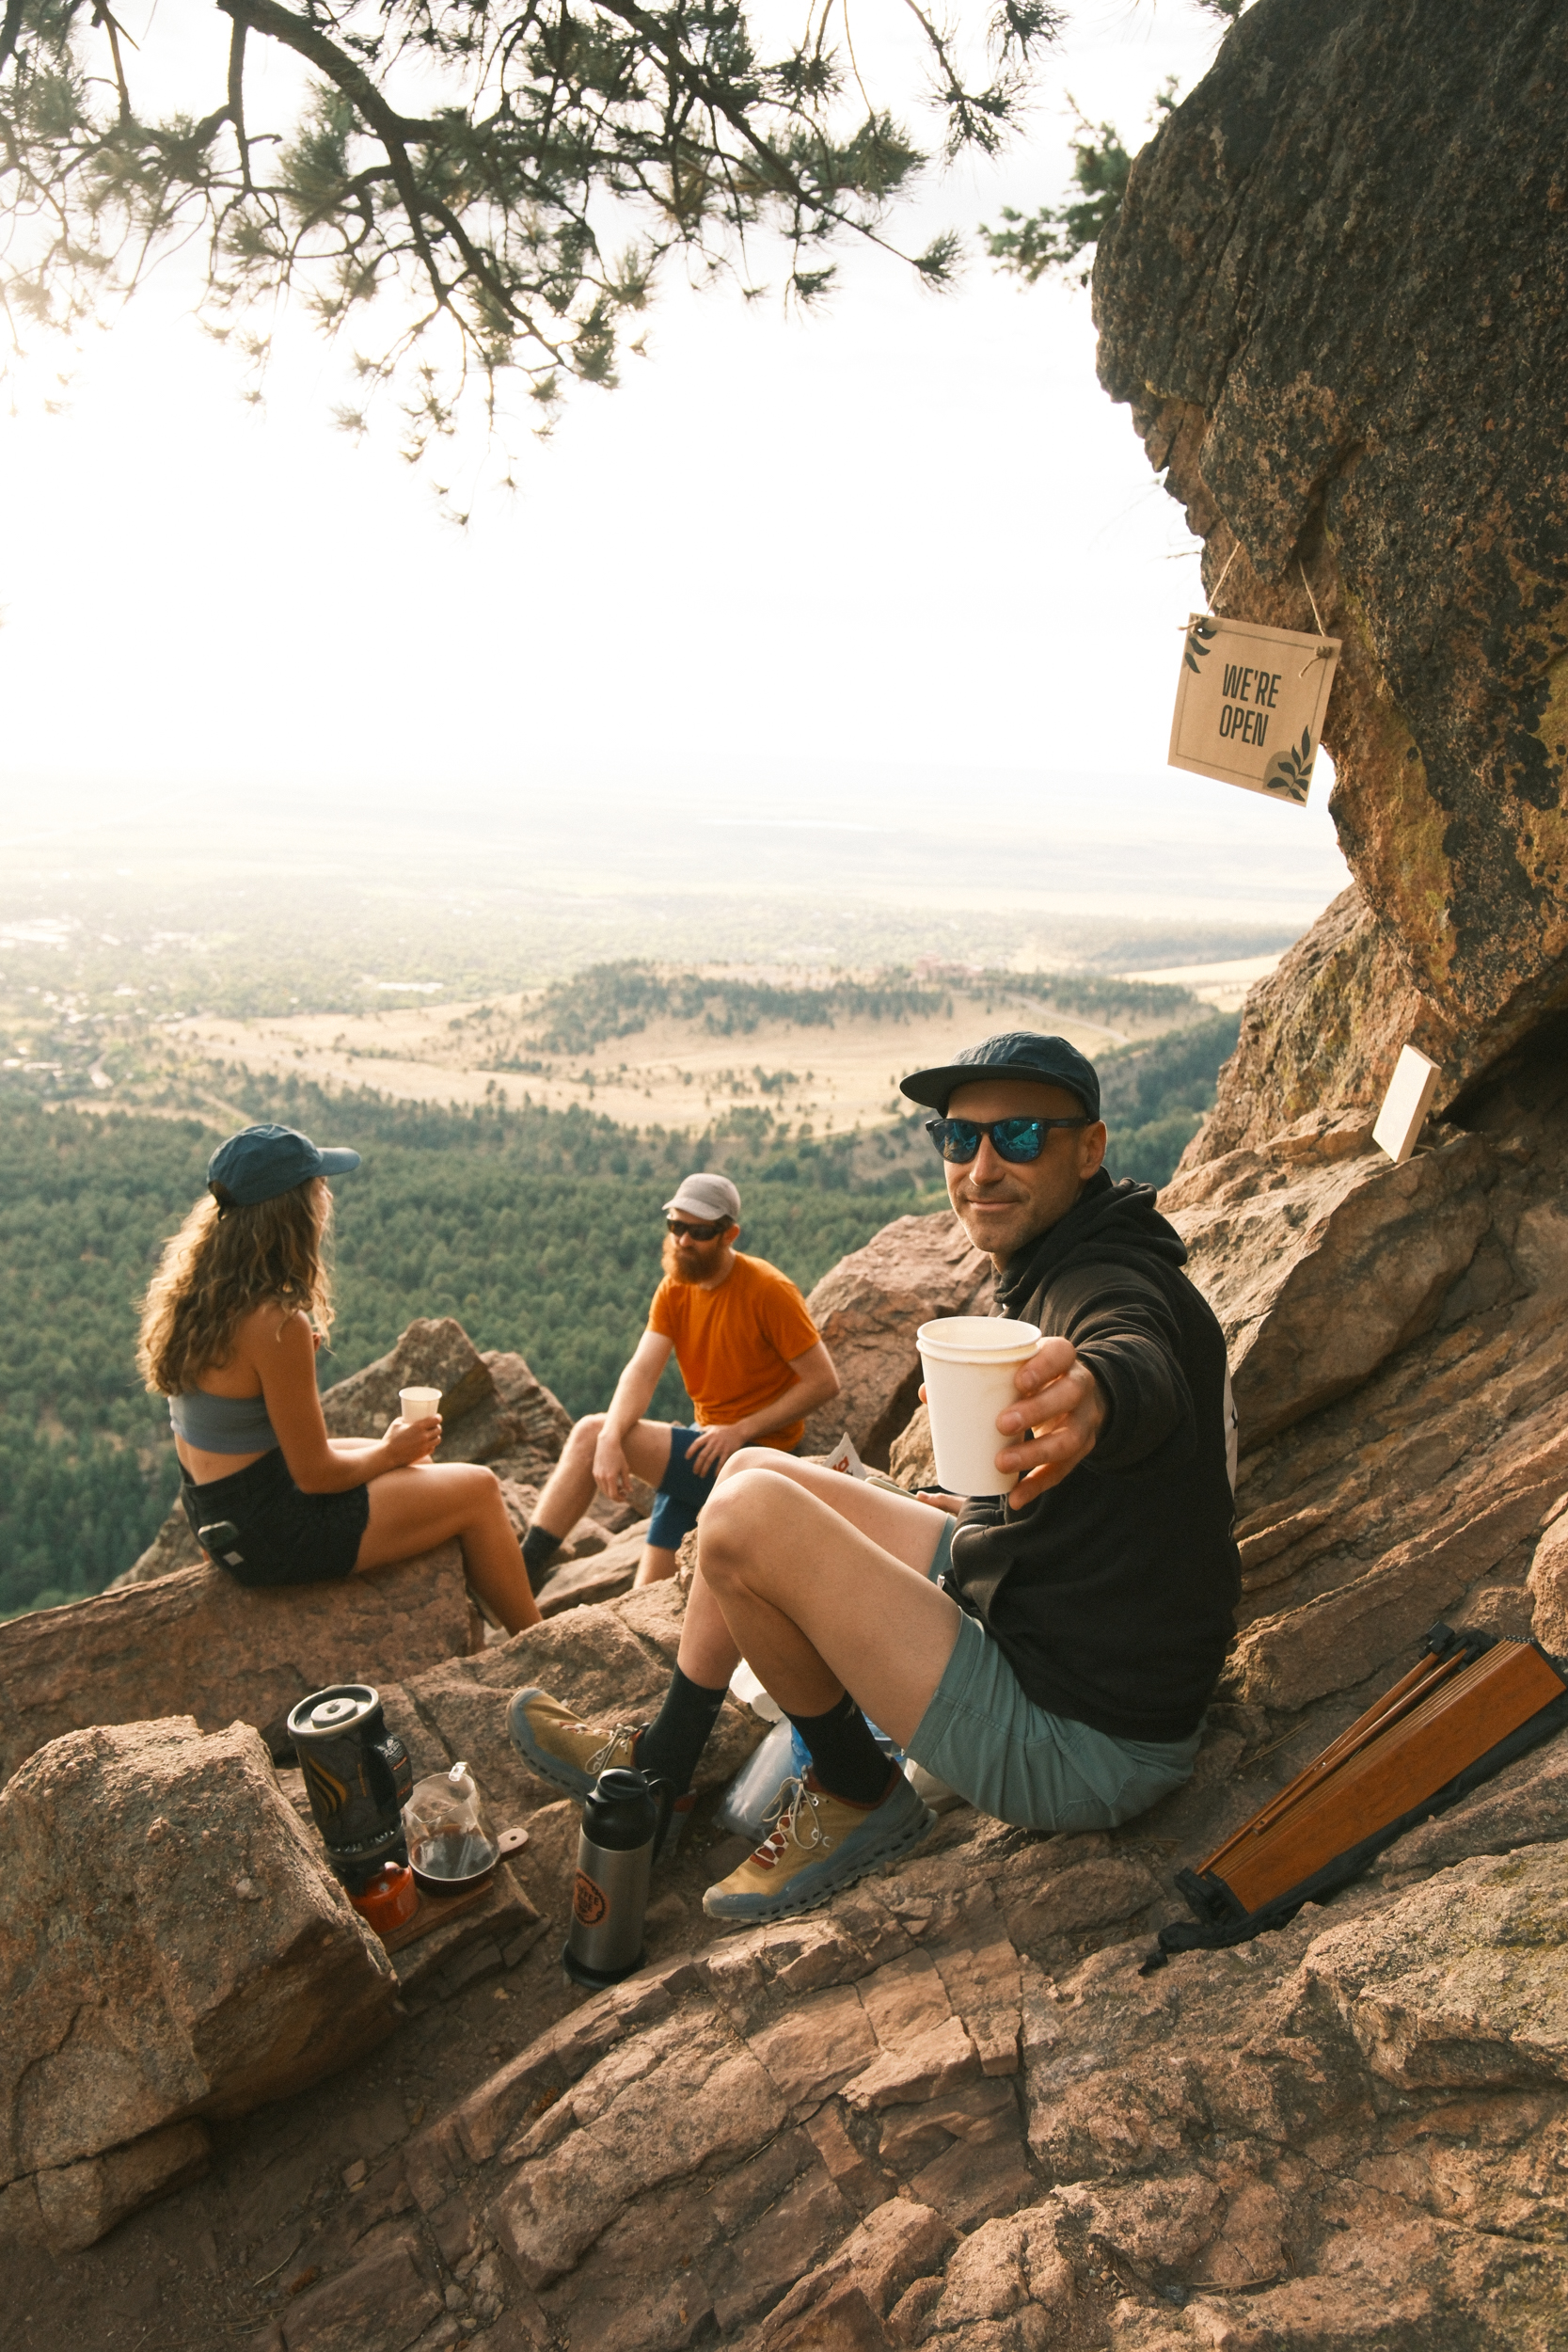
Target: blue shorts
(986, 1738)
(681, 1491)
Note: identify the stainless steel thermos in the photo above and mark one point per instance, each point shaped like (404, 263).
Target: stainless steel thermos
(358, 1777)
(609, 1894)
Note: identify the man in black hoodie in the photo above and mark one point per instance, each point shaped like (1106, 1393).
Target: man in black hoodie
(1048, 1654)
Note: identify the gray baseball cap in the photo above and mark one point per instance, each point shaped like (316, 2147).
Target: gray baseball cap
(707, 1197)
(1016, 1053)
(261, 1162)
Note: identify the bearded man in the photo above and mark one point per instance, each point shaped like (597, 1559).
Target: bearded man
(754, 1364)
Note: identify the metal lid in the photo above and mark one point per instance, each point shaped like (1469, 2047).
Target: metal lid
(619, 1813)
(327, 1714)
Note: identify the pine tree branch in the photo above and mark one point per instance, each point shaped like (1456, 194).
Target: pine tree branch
(10, 31)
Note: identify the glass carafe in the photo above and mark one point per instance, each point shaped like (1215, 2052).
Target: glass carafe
(447, 1840)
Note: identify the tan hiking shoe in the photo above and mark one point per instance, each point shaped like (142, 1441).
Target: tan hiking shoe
(822, 1844)
(571, 1756)
(569, 1753)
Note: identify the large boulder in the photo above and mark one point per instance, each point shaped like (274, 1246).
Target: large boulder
(1309, 209)
(199, 1644)
(1422, 1492)
(172, 1947)
(1464, 1981)
(492, 1406)
(868, 1309)
(1320, 1037)
(1319, 1268)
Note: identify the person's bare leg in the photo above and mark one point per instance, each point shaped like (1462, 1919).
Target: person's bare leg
(413, 1510)
(820, 1582)
(569, 1489)
(656, 1567)
(908, 1529)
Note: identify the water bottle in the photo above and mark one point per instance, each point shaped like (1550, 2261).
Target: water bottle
(609, 1894)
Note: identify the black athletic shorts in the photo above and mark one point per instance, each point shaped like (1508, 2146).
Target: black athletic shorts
(286, 1536)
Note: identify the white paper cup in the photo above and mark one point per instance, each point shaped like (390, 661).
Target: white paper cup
(969, 1362)
(418, 1404)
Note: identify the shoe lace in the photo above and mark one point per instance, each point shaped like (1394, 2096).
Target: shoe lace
(601, 1756)
(785, 1815)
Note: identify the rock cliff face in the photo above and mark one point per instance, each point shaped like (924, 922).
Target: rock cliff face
(1335, 297)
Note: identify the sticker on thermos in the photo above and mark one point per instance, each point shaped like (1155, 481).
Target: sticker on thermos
(589, 1903)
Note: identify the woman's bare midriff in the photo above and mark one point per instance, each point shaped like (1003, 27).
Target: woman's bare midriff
(206, 1467)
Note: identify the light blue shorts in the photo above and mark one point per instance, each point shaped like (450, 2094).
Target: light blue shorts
(988, 1740)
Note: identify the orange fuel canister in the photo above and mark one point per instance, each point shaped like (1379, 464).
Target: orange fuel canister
(390, 1899)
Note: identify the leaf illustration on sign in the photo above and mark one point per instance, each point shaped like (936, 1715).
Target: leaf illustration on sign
(1198, 642)
(1292, 773)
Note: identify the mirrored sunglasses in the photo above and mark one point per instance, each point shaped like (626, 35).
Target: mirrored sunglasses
(1018, 1140)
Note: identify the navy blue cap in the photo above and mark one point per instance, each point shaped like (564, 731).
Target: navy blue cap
(1017, 1054)
(261, 1162)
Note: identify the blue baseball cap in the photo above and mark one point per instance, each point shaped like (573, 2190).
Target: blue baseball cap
(261, 1162)
(1016, 1053)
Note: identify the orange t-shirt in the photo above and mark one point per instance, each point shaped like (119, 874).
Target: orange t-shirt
(734, 1345)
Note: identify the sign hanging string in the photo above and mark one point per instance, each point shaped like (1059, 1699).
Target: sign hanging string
(1235, 550)
(1321, 653)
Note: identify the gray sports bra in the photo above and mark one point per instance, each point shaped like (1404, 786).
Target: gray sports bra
(221, 1425)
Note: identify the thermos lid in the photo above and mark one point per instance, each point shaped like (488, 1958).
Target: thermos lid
(327, 1714)
(619, 1813)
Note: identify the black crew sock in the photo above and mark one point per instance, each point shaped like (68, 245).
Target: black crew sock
(539, 1549)
(679, 1732)
(845, 1759)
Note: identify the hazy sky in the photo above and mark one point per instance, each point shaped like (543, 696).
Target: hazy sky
(909, 536)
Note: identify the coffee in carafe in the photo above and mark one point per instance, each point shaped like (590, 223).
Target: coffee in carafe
(449, 1845)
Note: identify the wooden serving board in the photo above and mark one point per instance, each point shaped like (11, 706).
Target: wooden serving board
(435, 1910)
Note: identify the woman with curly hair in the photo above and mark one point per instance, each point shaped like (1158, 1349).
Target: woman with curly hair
(230, 1329)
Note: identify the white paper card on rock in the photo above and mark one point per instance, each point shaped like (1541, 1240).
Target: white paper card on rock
(1406, 1103)
(1250, 704)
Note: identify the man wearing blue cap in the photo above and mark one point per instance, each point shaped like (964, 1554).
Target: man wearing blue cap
(1048, 1654)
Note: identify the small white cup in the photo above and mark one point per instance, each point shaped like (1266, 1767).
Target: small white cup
(969, 1362)
(418, 1404)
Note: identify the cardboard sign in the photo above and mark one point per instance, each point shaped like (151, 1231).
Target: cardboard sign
(1406, 1103)
(1250, 703)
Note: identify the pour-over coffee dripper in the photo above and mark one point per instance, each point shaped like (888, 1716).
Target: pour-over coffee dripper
(450, 1848)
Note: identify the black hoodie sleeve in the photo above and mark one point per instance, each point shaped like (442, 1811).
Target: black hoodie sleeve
(1125, 1331)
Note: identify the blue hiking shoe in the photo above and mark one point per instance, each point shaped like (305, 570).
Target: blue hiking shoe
(821, 1844)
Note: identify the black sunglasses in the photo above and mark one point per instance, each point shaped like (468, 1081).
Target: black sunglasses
(1018, 1140)
(699, 1232)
